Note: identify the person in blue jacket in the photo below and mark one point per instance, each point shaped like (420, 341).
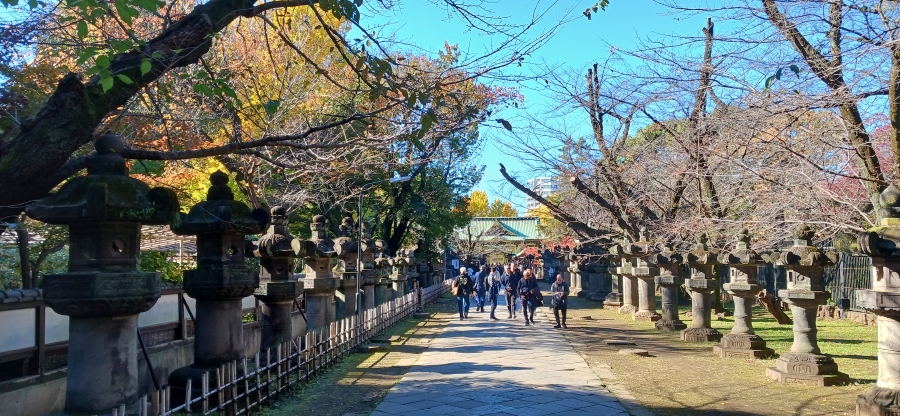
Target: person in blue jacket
(528, 290)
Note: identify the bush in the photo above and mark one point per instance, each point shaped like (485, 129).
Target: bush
(157, 261)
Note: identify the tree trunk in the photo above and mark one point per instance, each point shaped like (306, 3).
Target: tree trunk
(767, 301)
(24, 253)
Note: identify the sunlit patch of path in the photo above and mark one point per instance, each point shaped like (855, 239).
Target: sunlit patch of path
(479, 367)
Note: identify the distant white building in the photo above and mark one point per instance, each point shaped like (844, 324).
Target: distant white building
(543, 186)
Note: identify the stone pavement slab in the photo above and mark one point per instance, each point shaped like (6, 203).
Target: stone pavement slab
(478, 367)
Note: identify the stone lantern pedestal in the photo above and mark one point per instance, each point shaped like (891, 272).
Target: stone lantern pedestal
(742, 341)
(805, 363)
(645, 276)
(599, 280)
(103, 292)
(382, 289)
(319, 284)
(701, 285)
(882, 244)
(629, 284)
(668, 280)
(614, 298)
(575, 271)
(220, 281)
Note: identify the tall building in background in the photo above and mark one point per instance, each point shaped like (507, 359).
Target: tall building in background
(543, 186)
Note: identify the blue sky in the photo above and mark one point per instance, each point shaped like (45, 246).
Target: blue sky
(576, 45)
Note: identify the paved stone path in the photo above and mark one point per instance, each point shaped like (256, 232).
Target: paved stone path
(479, 367)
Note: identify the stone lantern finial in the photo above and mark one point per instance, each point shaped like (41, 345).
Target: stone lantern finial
(890, 203)
(803, 234)
(347, 227)
(219, 191)
(702, 241)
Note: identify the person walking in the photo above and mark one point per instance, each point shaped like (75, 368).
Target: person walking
(464, 284)
(528, 290)
(510, 283)
(494, 287)
(560, 291)
(481, 288)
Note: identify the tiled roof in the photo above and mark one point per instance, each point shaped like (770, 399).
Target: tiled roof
(502, 228)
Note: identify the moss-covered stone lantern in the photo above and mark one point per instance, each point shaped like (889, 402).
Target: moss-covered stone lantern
(103, 292)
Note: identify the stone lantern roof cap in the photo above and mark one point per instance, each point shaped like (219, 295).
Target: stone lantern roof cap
(702, 254)
(742, 253)
(803, 253)
(106, 193)
(220, 213)
(883, 240)
(277, 242)
(665, 256)
(321, 246)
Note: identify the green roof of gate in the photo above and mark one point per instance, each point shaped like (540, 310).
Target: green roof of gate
(503, 228)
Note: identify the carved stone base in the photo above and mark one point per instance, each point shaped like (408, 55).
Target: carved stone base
(613, 299)
(806, 364)
(670, 325)
(700, 335)
(746, 346)
(646, 316)
(598, 296)
(822, 380)
(627, 309)
(878, 401)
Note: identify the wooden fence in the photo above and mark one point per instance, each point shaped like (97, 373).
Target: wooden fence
(240, 386)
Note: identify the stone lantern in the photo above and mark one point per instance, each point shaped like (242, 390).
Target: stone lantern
(805, 292)
(669, 279)
(614, 299)
(345, 270)
(595, 273)
(319, 283)
(370, 275)
(399, 273)
(277, 251)
(644, 276)
(742, 342)
(630, 299)
(103, 292)
(382, 273)
(702, 284)
(412, 273)
(882, 244)
(221, 279)
(575, 260)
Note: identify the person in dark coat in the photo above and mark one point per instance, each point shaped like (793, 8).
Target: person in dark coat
(528, 290)
(560, 291)
(466, 285)
(494, 288)
(481, 286)
(510, 283)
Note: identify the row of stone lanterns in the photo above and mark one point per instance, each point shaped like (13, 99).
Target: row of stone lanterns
(805, 292)
(642, 266)
(103, 291)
